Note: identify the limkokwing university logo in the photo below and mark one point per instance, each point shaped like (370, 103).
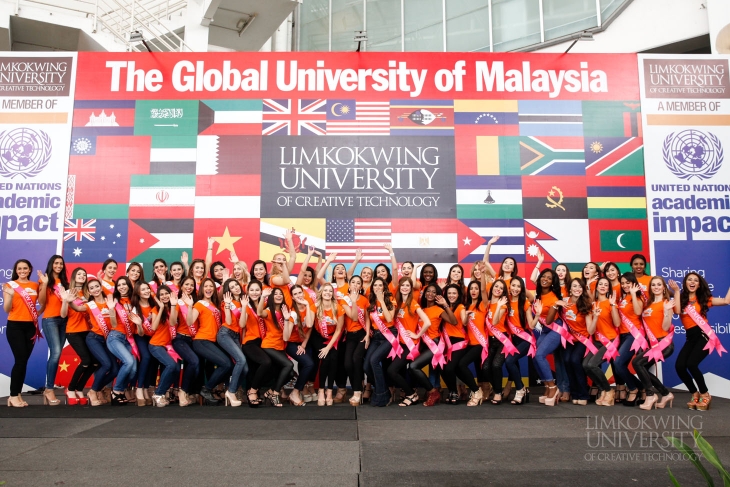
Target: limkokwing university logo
(24, 152)
(692, 153)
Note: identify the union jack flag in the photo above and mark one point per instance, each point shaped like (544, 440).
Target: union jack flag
(294, 117)
(79, 229)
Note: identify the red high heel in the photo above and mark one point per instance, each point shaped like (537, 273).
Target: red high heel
(71, 398)
(83, 401)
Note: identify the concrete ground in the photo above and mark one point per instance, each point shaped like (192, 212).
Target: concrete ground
(445, 445)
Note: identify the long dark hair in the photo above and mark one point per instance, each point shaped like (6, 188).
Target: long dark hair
(459, 300)
(702, 294)
(135, 299)
(165, 311)
(612, 264)
(215, 299)
(61, 275)
(169, 271)
(554, 284)
(261, 287)
(117, 295)
(356, 276)
(271, 305)
(141, 270)
(568, 278)
(266, 269)
(504, 289)
(468, 299)
(583, 304)
(154, 274)
(435, 275)
(387, 296)
(629, 276)
(521, 300)
(14, 276)
(212, 271)
(180, 290)
(227, 288)
(448, 277)
(334, 279)
(610, 288)
(500, 274)
(389, 278)
(424, 302)
(107, 262)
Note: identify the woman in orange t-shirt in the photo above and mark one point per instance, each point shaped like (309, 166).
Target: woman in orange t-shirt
(297, 332)
(20, 297)
(605, 335)
(182, 343)
(577, 314)
(657, 316)
(546, 307)
(379, 317)
(281, 268)
(519, 321)
(638, 266)
(473, 318)
(306, 277)
(695, 293)
(54, 327)
(229, 336)
(142, 313)
(630, 308)
(106, 276)
(161, 342)
(496, 314)
(591, 273)
(454, 336)
(356, 340)
(328, 326)
(207, 311)
(275, 312)
(253, 328)
(408, 313)
(77, 329)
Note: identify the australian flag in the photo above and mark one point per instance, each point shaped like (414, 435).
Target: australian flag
(109, 242)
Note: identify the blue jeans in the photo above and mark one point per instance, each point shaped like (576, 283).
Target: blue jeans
(305, 363)
(574, 368)
(561, 375)
(231, 343)
(621, 363)
(183, 345)
(211, 352)
(118, 345)
(170, 372)
(108, 368)
(379, 349)
(143, 344)
(512, 362)
(546, 344)
(54, 330)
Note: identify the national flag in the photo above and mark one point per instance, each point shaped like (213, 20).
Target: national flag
(422, 117)
(345, 236)
(83, 145)
(103, 117)
(442, 240)
(351, 117)
(616, 197)
(486, 155)
(173, 154)
(158, 196)
(554, 197)
(486, 117)
(166, 117)
(79, 229)
(552, 155)
(488, 197)
(110, 243)
(511, 241)
(228, 196)
(551, 117)
(228, 154)
(618, 240)
(612, 119)
(306, 232)
(167, 239)
(294, 117)
(614, 156)
(558, 240)
(230, 117)
(229, 234)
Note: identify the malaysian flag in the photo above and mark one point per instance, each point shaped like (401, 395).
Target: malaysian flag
(350, 117)
(347, 235)
(79, 229)
(294, 117)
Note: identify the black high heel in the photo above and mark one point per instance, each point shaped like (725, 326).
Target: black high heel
(453, 398)
(208, 397)
(256, 401)
(629, 403)
(118, 399)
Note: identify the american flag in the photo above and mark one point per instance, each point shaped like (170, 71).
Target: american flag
(347, 235)
(294, 117)
(79, 229)
(350, 117)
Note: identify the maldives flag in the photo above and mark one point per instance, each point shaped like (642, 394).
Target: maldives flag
(617, 240)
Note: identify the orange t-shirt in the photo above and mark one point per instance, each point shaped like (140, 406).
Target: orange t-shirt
(107, 287)
(592, 288)
(295, 336)
(146, 315)
(644, 282)
(501, 325)
(480, 315)
(457, 330)
(548, 301)
(604, 321)
(409, 318)
(514, 316)
(287, 294)
(434, 314)
(207, 325)
(626, 307)
(120, 324)
(575, 320)
(686, 320)
(95, 324)
(77, 322)
(161, 336)
(252, 331)
(563, 291)
(19, 310)
(354, 325)
(234, 326)
(331, 321)
(653, 317)
(274, 334)
(182, 323)
(379, 312)
(53, 302)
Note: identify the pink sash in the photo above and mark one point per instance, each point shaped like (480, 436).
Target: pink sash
(396, 350)
(323, 330)
(122, 314)
(403, 333)
(450, 349)
(437, 349)
(107, 286)
(184, 315)
(171, 351)
(57, 291)
(656, 352)
(713, 342)
(508, 348)
(147, 326)
(96, 312)
(312, 295)
(216, 314)
(640, 342)
(260, 321)
(30, 305)
(518, 331)
(480, 338)
(565, 336)
(586, 341)
(611, 346)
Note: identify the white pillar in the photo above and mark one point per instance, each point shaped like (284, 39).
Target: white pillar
(196, 35)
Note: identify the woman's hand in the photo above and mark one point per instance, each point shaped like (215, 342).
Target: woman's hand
(184, 259)
(43, 278)
(135, 319)
(413, 334)
(324, 351)
(537, 305)
(301, 350)
(669, 305)
(441, 301)
(187, 299)
(227, 298)
(173, 299)
(310, 251)
(493, 240)
(300, 300)
(285, 312)
(366, 340)
(675, 287)
(265, 293)
(68, 296)
(612, 300)
(634, 289)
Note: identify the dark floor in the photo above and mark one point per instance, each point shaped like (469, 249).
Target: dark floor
(345, 446)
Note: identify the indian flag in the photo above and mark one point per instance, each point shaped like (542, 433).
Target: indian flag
(488, 197)
(158, 196)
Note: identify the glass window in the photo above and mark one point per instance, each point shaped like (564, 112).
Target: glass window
(608, 7)
(314, 25)
(516, 23)
(424, 25)
(467, 25)
(384, 26)
(347, 17)
(563, 17)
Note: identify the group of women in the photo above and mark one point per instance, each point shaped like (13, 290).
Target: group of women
(198, 331)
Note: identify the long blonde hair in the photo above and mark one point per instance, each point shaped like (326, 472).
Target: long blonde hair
(245, 275)
(320, 307)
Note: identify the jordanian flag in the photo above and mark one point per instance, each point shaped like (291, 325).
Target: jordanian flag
(158, 196)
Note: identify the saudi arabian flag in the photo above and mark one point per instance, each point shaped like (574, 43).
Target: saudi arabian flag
(621, 240)
(162, 196)
(166, 117)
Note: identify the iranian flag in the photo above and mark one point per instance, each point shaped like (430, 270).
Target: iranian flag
(158, 196)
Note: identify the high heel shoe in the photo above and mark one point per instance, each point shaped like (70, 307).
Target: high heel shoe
(409, 400)
(356, 398)
(695, 399)
(453, 398)
(15, 402)
(649, 403)
(580, 402)
(475, 398)
(83, 401)
(433, 398)
(208, 397)
(232, 400)
(620, 394)
(160, 401)
(704, 403)
(340, 396)
(506, 390)
(367, 393)
(521, 396)
(118, 399)
(565, 397)
(496, 399)
(49, 398)
(328, 400)
(308, 393)
(94, 398)
(320, 398)
(105, 395)
(609, 399)
(253, 398)
(295, 398)
(20, 398)
(629, 402)
(183, 398)
(273, 398)
(71, 398)
(593, 393)
(552, 401)
(141, 401)
(600, 398)
(669, 398)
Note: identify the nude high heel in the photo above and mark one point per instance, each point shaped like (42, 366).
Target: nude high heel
(649, 403)
(475, 398)
(140, 397)
(329, 401)
(320, 398)
(94, 398)
(14, 402)
(183, 399)
(356, 398)
(160, 401)
(669, 398)
(49, 398)
(552, 401)
(231, 400)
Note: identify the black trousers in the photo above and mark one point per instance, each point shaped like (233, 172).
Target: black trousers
(459, 366)
(493, 365)
(327, 365)
(282, 362)
(649, 381)
(689, 358)
(20, 338)
(354, 360)
(418, 375)
(256, 355)
(88, 363)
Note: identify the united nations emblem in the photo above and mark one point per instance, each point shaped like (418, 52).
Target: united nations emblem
(24, 152)
(692, 153)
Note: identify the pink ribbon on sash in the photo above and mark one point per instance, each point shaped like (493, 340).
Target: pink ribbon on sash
(184, 315)
(311, 293)
(236, 312)
(611, 346)
(96, 312)
(508, 348)
(172, 353)
(450, 349)
(437, 349)
(480, 338)
(565, 336)
(640, 342)
(713, 342)
(122, 314)
(403, 333)
(30, 305)
(519, 332)
(57, 290)
(656, 352)
(107, 286)
(586, 341)
(396, 350)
